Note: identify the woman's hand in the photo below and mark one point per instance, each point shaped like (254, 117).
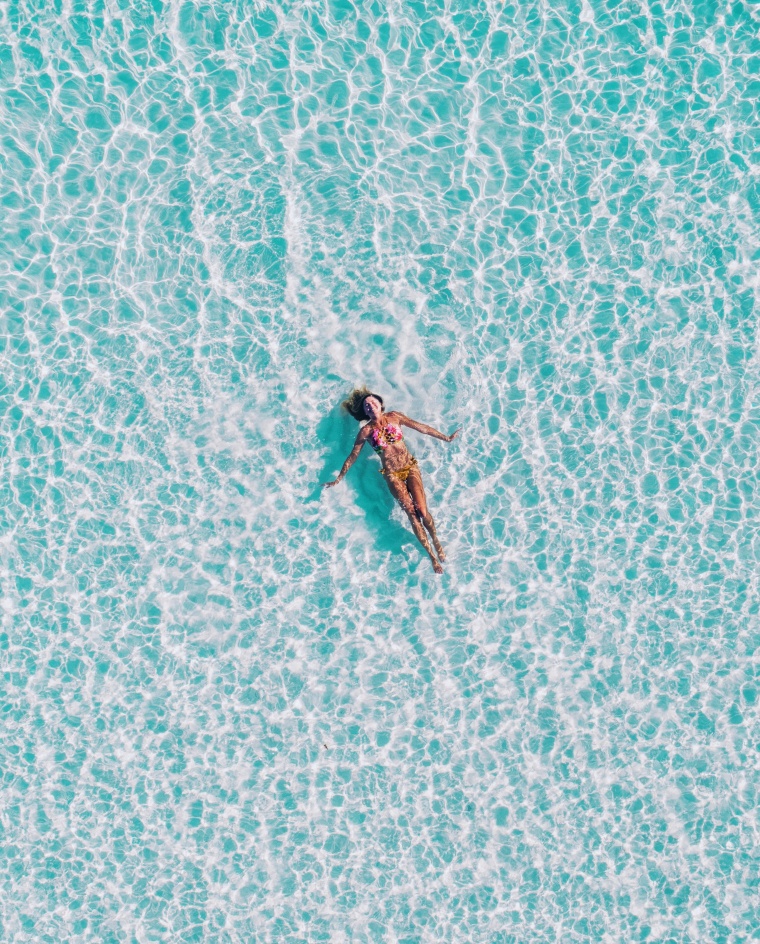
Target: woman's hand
(330, 484)
(454, 434)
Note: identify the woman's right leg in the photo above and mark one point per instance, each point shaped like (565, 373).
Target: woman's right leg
(401, 493)
(417, 491)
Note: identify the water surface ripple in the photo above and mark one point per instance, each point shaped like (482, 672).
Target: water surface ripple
(236, 708)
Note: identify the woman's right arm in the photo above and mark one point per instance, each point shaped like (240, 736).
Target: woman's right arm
(353, 456)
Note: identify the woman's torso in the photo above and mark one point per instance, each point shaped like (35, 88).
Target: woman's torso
(387, 441)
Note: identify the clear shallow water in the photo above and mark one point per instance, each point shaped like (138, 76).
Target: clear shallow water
(239, 709)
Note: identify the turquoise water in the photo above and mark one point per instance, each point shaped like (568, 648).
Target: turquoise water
(237, 708)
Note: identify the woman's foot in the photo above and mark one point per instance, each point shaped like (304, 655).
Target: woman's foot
(436, 566)
(439, 549)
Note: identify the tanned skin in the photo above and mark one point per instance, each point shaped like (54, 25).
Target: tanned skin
(410, 494)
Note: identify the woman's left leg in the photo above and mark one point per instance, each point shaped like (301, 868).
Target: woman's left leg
(401, 493)
(417, 491)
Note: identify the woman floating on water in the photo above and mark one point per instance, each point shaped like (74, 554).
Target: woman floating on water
(399, 467)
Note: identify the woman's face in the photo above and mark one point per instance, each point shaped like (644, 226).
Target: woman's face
(372, 407)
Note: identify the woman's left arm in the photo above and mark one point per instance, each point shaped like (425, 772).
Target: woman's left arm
(426, 430)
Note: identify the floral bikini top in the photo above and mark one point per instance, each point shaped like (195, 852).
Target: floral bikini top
(381, 438)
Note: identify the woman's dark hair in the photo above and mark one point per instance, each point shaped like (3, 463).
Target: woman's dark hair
(354, 403)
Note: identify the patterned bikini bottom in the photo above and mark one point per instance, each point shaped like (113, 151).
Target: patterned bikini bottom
(401, 474)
